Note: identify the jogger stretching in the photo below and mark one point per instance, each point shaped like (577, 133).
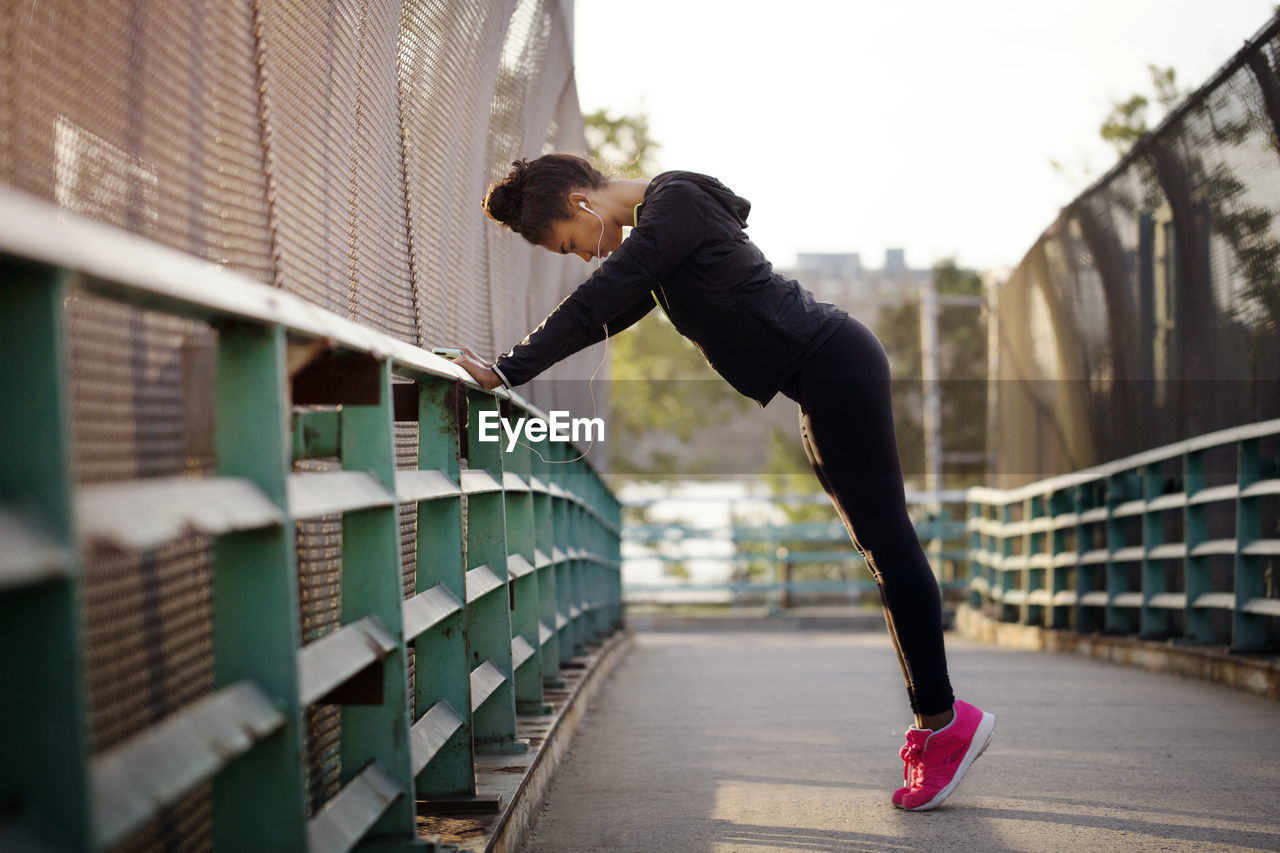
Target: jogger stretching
(764, 333)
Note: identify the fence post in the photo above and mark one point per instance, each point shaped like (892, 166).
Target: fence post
(371, 586)
(976, 547)
(577, 565)
(543, 547)
(488, 590)
(561, 510)
(1006, 551)
(523, 577)
(442, 677)
(1198, 578)
(1036, 575)
(258, 798)
(612, 540)
(1152, 621)
(593, 565)
(614, 552)
(1060, 503)
(1117, 620)
(1084, 617)
(43, 744)
(1248, 630)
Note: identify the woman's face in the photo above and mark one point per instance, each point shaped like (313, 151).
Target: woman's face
(584, 235)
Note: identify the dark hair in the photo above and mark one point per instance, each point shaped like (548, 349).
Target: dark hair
(535, 193)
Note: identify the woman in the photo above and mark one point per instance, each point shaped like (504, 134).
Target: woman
(764, 334)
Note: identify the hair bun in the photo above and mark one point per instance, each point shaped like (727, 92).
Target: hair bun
(505, 199)
(535, 194)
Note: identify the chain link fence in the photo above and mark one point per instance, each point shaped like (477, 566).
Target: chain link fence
(1149, 312)
(336, 150)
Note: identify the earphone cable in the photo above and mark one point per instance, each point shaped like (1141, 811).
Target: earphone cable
(592, 380)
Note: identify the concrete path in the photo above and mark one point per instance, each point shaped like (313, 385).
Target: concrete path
(718, 741)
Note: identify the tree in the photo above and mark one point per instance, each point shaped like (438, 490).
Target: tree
(1127, 121)
(661, 386)
(663, 394)
(621, 145)
(963, 355)
(963, 337)
(962, 369)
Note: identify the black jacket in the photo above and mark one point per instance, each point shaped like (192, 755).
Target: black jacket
(688, 253)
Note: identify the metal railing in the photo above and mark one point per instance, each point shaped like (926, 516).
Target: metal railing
(783, 546)
(1173, 543)
(517, 564)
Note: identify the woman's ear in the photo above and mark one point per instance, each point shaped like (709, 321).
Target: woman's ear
(576, 200)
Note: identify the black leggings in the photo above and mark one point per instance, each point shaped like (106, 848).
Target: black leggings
(846, 424)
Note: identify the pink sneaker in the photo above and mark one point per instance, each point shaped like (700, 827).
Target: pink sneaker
(936, 761)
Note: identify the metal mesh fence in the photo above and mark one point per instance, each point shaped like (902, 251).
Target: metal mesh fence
(1149, 311)
(336, 150)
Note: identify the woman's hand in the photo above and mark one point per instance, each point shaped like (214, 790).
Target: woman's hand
(479, 369)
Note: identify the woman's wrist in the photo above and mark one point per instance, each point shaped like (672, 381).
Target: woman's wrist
(501, 376)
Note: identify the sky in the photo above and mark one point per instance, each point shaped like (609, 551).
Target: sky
(926, 125)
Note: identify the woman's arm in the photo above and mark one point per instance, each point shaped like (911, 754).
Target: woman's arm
(488, 378)
(618, 293)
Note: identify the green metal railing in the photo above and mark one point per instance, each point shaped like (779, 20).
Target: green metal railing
(1154, 544)
(517, 564)
(941, 528)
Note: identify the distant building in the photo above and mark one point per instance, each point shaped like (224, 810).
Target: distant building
(841, 278)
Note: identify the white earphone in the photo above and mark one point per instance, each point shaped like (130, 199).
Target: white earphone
(592, 380)
(600, 241)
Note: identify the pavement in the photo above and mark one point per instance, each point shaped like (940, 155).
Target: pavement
(712, 741)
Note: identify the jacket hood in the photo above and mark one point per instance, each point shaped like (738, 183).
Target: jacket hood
(734, 204)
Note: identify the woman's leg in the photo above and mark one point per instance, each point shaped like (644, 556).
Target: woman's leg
(846, 423)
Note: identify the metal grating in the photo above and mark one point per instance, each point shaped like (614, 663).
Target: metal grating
(338, 151)
(320, 603)
(148, 652)
(148, 637)
(1148, 312)
(143, 116)
(185, 826)
(148, 629)
(407, 460)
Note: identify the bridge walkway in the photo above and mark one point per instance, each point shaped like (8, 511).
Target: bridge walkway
(719, 741)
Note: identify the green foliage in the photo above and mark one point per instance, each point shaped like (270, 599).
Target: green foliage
(1127, 121)
(756, 560)
(660, 383)
(678, 570)
(622, 145)
(962, 338)
(898, 328)
(789, 473)
(1164, 81)
(1247, 228)
(962, 369)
